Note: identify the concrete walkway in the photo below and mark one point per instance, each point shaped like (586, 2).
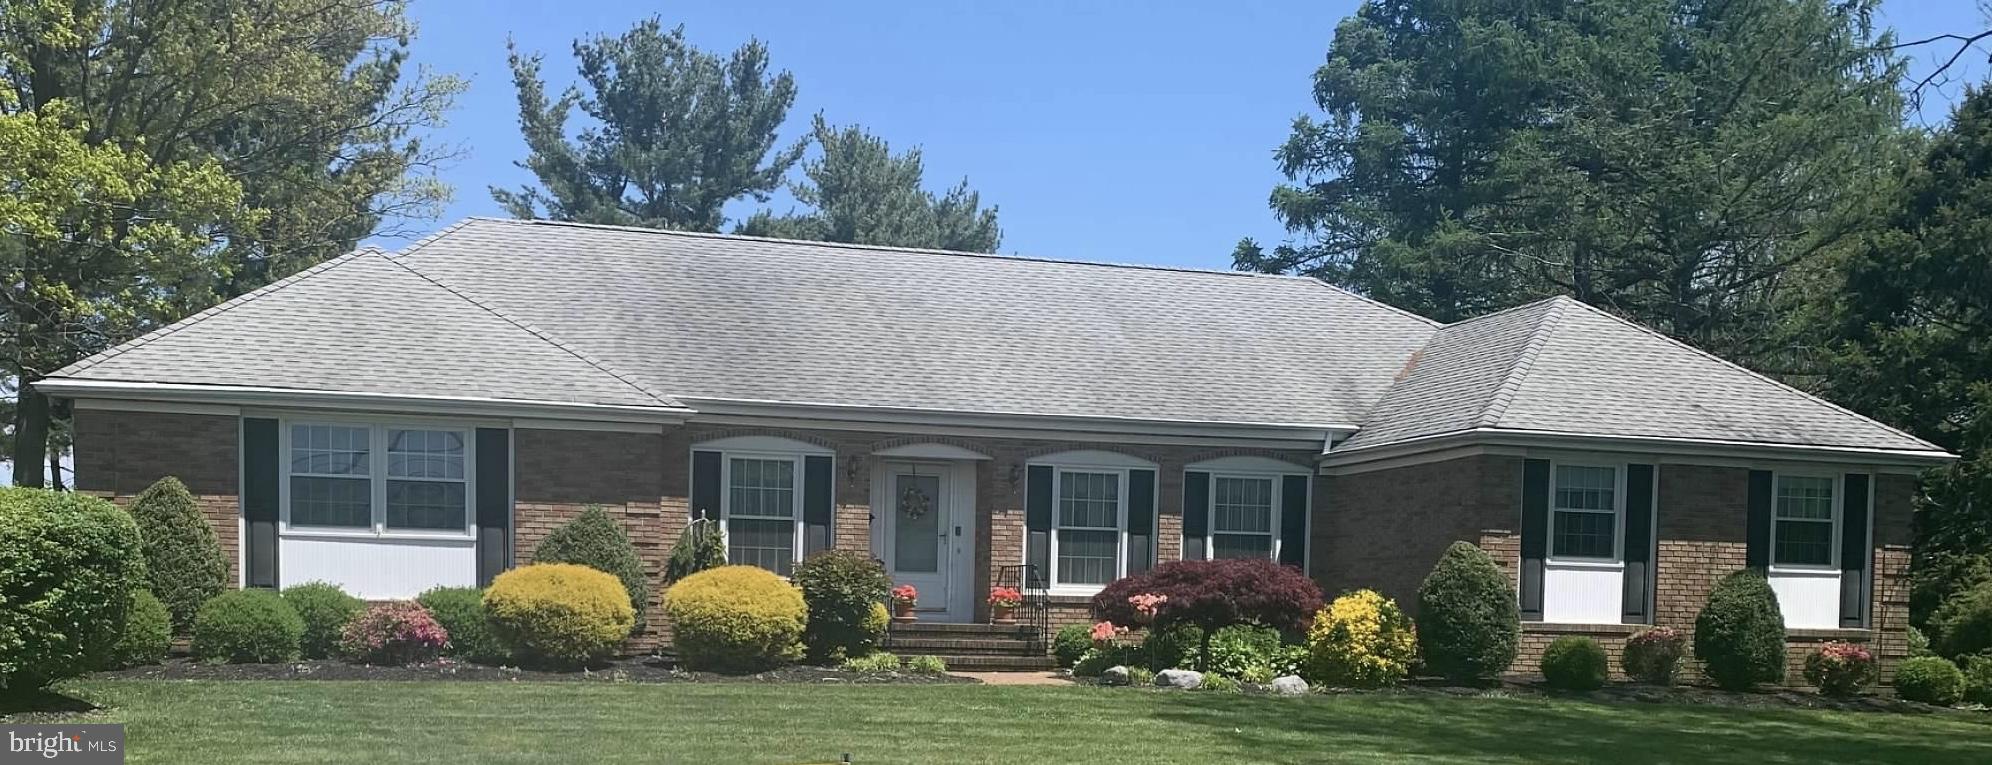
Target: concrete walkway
(1016, 678)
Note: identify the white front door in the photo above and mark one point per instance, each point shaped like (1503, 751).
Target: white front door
(923, 527)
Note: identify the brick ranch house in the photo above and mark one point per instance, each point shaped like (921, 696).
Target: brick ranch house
(392, 422)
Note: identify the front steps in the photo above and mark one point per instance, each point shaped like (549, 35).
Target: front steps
(971, 647)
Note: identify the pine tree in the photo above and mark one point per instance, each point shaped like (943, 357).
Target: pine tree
(863, 193)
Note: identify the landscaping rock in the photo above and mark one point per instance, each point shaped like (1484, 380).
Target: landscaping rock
(1115, 675)
(1179, 678)
(1291, 685)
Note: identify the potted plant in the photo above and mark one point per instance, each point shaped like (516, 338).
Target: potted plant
(1003, 602)
(904, 598)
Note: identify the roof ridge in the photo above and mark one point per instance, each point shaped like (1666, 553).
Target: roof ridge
(1504, 396)
(544, 336)
(210, 312)
(1754, 373)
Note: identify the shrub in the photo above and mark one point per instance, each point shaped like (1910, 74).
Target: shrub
(736, 619)
(845, 592)
(326, 610)
(596, 540)
(558, 614)
(68, 564)
(460, 610)
(701, 546)
(1919, 643)
(1071, 642)
(247, 627)
(147, 636)
(1239, 648)
(1840, 669)
(1168, 647)
(1212, 595)
(927, 665)
(393, 634)
(1219, 684)
(1575, 663)
(1962, 626)
(1469, 625)
(183, 562)
(1362, 640)
(1929, 679)
(876, 662)
(1740, 634)
(1140, 676)
(1654, 656)
(1978, 679)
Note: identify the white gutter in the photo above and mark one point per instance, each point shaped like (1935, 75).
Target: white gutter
(293, 398)
(1655, 444)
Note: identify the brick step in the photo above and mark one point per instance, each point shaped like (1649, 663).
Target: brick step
(944, 646)
(999, 663)
(1014, 630)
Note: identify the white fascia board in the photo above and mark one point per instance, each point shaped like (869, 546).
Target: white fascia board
(1360, 460)
(287, 398)
(1061, 427)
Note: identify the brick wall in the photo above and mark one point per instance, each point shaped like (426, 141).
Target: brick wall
(561, 472)
(1383, 530)
(118, 454)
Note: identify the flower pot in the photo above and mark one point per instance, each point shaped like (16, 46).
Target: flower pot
(1005, 615)
(902, 612)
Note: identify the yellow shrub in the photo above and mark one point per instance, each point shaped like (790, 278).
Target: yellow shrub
(1362, 640)
(558, 613)
(736, 619)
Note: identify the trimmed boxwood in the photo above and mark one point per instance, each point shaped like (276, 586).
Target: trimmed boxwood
(68, 565)
(736, 619)
(558, 614)
(845, 592)
(147, 636)
(247, 627)
(596, 540)
(1575, 663)
(461, 611)
(1931, 680)
(1469, 623)
(183, 562)
(1740, 633)
(325, 610)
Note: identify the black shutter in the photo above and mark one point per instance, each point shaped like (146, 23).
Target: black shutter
(1037, 521)
(1854, 552)
(1757, 554)
(1638, 544)
(1140, 521)
(259, 500)
(1293, 521)
(494, 503)
(816, 504)
(1196, 513)
(1535, 534)
(705, 485)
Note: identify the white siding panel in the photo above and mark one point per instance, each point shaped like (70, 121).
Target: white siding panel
(379, 569)
(1810, 600)
(1583, 594)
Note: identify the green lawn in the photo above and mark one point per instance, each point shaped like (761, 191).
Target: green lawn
(526, 722)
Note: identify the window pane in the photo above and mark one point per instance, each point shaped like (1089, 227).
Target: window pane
(337, 502)
(768, 544)
(1804, 543)
(916, 541)
(435, 505)
(1090, 500)
(1243, 504)
(764, 488)
(1805, 497)
(330, 449)
(1586, 488)
(1241, 545)
(1583, 535)
(1088, 557)
(424, 454)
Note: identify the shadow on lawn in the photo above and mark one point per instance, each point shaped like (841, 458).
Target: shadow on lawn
(34, 705)
(1569, 730)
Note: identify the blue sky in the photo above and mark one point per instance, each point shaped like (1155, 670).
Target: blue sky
(1130, 132)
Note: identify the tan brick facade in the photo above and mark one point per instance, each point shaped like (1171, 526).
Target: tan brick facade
(119, 453)
(561, 472)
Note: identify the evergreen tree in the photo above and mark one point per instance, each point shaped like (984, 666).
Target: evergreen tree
(863, 193)
(183, 565)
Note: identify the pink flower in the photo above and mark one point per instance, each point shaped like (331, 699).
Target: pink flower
(1146, 604)
(1105, 631)
(905, 594)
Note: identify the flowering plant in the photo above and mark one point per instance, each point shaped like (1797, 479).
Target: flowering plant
(1654, 656)
(1106, 631)
(1005, 597)
(400, 632)
(1840, 669)
(905, 595)
(1146, 604)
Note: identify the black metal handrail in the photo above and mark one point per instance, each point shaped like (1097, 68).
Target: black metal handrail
(1030, 583)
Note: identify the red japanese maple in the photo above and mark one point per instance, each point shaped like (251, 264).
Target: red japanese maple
(1212, 595)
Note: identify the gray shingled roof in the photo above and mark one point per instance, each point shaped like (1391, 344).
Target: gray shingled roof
(1560, 366)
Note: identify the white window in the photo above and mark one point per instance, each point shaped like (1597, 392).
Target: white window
(1086, 545)
(1804, 526)
(378, 479)
(1584, 511)
(1244, 511)
(763, 511)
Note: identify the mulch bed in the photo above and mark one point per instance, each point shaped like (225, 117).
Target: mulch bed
(648, 669)
(1618, 693)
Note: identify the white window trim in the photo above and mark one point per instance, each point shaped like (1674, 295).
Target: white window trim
(797, 462)
(1058, 471)
(1617, 561)
(1278, 477)
(377, 429)
(1839, 522)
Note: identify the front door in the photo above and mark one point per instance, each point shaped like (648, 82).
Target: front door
(923, 530)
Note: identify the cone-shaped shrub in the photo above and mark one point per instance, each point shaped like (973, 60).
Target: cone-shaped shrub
(183, 561)
(596, 540)
(1469, 624)
(701, 546)
(1740, 633)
